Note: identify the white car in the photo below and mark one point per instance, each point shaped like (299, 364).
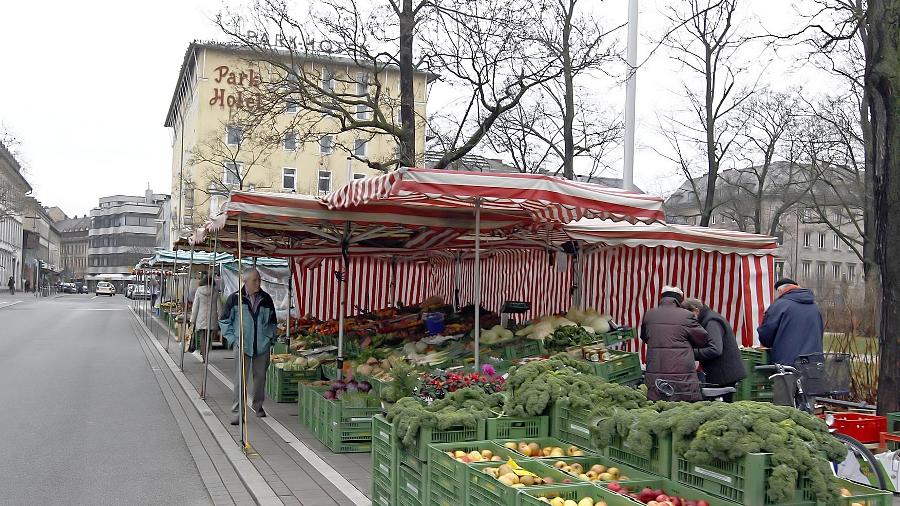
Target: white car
(105, 288)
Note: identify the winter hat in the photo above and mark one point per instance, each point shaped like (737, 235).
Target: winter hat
(674, 292)
(784, 281)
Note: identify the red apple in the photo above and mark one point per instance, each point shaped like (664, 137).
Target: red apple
(676, 501)
(662, 498)
(614, 486)
(702, 503)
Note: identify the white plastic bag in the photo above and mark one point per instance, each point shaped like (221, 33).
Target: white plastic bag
(890, 463)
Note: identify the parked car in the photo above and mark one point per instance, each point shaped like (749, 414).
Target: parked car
(105, 288)
(83, 288)
(138, 292)
(68, 288)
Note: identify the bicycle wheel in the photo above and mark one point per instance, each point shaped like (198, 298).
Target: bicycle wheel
(869, 467)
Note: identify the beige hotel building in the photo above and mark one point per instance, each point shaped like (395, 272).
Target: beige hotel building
(205, 100)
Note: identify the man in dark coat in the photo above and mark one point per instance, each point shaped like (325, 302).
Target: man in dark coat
(671, 333)
(793, 324)
(721, 359)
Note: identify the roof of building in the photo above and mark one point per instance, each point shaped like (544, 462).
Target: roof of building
(470, 162)
(190, 59)
(609, 182)
(10, 159)
(74, 224)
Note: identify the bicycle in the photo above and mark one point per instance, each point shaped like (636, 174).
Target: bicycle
(710, 392)
(822, 374)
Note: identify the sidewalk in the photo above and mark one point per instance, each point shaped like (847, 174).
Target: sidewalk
(297, 467)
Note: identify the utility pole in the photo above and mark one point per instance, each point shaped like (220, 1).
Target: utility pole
(630, 90)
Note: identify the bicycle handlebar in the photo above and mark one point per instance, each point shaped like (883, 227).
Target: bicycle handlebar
(776, 368)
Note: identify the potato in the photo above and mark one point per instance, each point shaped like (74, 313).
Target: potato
(527, 480)
(505, 469)
(506, 480)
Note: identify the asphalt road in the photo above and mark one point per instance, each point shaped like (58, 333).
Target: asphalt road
(83, 420)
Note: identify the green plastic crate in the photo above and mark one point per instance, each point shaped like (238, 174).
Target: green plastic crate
(282, 386)
(412, 487)
(658, 463)
(626, 474)
(544, 442)
(348, 428)
(308, 409)
(485, 490)
(571, 425)
(381, 496)
(575, 493)
(329, 371)
(448, 477)
(672, 488)
(512, 427)
(521, 348)
(867, 496)
(616, 337)
(622, 367)
(744, 481)
(893, 423)
(428, 436)
(384, 474)
(280, 348)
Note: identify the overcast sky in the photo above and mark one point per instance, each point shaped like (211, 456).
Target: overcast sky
(86, 87)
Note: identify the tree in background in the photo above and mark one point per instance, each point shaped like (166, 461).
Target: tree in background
(708, 43)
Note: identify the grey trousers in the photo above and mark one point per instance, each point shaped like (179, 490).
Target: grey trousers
(255, 370)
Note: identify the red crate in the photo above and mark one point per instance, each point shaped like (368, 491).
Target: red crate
(863, 427)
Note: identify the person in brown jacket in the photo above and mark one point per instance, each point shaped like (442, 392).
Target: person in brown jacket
(672, 333)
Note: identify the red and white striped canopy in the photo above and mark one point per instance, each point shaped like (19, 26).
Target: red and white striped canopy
(539, 198)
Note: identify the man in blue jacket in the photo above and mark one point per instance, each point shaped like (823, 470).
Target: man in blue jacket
(793, 324)
(259, 322)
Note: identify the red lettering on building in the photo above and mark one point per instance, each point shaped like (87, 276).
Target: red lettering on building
(218, 97)
(222, 71)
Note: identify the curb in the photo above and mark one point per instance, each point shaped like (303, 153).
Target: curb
(253, 481)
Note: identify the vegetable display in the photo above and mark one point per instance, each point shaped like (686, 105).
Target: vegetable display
(466, 408)
(532, 388)
(705, 432)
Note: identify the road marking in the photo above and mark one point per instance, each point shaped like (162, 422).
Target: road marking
(330, 473)
(94, 297)
(98, 309)
(7, 304)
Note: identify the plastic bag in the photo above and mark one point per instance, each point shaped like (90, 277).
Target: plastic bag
(890, 463)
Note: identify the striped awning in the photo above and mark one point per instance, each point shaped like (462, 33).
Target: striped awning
(533, 197)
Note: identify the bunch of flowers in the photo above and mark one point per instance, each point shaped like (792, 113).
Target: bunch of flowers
(437, 384)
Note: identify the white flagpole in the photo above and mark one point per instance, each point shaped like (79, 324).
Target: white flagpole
(630, 90)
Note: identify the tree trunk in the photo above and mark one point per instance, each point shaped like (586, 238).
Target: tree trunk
(870, 264)
(407, 95)
(712, 164)
(569, 98)
(882, 81)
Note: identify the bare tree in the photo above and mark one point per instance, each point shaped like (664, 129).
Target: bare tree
(707, 44)
(229, 159)
(12, 195)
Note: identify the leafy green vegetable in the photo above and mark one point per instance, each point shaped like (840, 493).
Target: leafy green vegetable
(569, 335)
(466, 407)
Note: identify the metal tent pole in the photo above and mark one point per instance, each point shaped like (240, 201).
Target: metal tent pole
(184, 319)
(290, 299)
(477, 283)
(457, 280)
(342, 286)
(630, 91)
(175, 294)
(242, 397)
(393, 283)
(213, 300)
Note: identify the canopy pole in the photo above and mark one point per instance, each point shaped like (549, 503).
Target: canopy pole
(242, 397)
(630, 92)
(477, 284)
(290, 300)
(213, 299)
(457, 280)
(342, 286)
(184, 297)
(576, 279)
(393, 284)
(174, 292)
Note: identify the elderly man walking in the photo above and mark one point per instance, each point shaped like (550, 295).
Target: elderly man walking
(259, 323)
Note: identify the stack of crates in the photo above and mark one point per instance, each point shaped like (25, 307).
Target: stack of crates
(517, 427)
(384, 462)
(756, 386)
(570, 424)
(282, 386)
(622, 367)
(415, 456)
(344, 426)
(308, 407)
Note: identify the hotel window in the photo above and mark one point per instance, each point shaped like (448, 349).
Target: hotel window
(806, 239)
(851, 272)
(820, 270)
(326, 144)
(291, 107)
(232, 173)
(836, 271)
(837, 241)
(290, 141)
(289, 178)
(362, 91)
(359, 147)
(327, 78)
(324, 181)
(821, 240)
(233, 135)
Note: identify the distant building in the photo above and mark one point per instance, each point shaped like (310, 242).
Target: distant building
(809, 249)
(13, 188)
(470, 162)
(56, 214)
(75, 237)
(40, 245)
(609, 182)
(123, 230)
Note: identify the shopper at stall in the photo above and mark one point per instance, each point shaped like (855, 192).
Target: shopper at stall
(671, 333)
(259, 323)
(206, 304)
(12, 285)
(721, 358)
(792, 325)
